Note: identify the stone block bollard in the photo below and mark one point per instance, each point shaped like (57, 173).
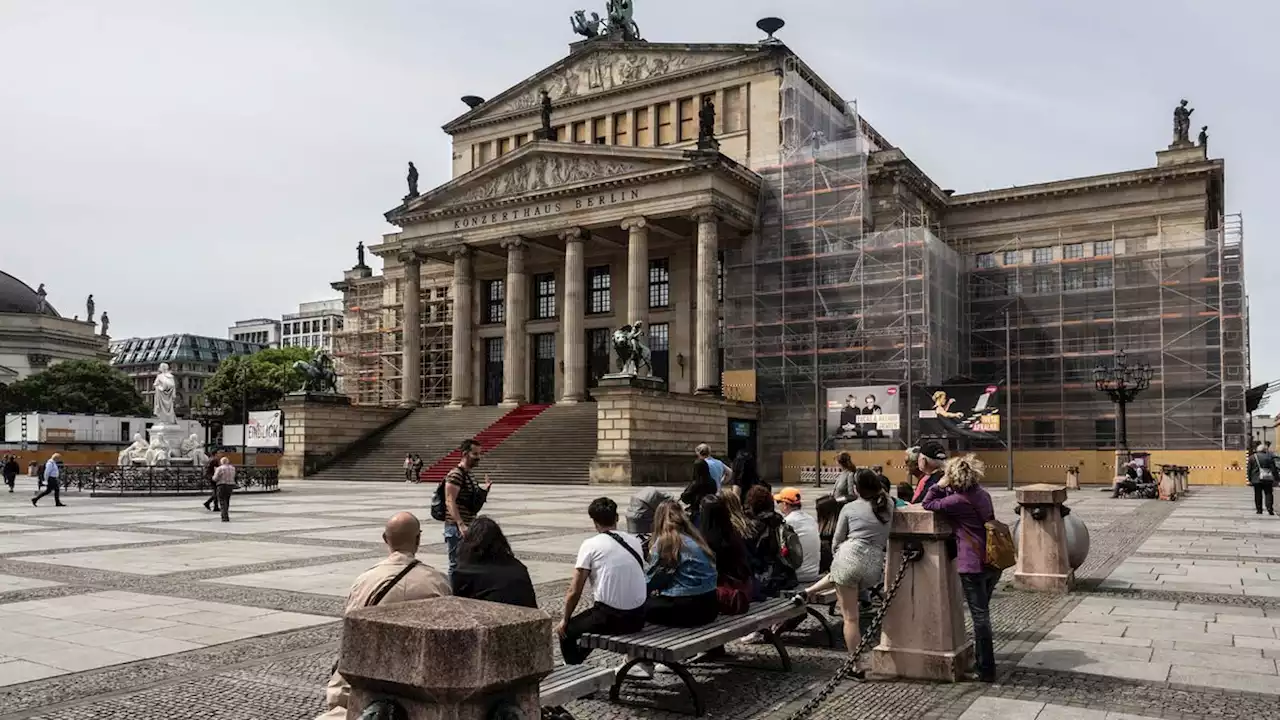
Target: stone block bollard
(1043, 562)
(446, 658)
(923, 637)
(1073, 478)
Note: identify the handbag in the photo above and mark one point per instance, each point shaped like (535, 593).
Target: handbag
(1001, 553)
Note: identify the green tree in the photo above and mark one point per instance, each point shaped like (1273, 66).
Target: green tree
(75, 386)
(263, 379)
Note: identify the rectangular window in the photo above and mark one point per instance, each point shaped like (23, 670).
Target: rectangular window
(1073, 279)
(644, 137)
(621, 128)
(1103, 247)
(1042, 256)
(520, 140)
(1102, 276)
(1044, 283)
(599, 131)
(666, 131)
(495, 293)
(688, 119)
(985, 260)
(660, 349)
(562, 133)
(580, 131)
(484, 153)
(720, 277)
(544, 296)
(732, 110)
(1012, 257)
(504, 146)
(1074, 251)
(659, 283)
(600, 284)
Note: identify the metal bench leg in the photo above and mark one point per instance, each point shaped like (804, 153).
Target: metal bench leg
(773, 638)
(699, 709)
(826, 626)
(621, 676)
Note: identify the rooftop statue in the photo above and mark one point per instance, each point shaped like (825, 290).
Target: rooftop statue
(1182, 124)
(584, 27)
(618, 24)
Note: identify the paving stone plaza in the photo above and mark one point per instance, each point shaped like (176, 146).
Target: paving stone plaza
(151, 608)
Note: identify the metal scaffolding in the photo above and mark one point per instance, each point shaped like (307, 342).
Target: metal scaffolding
(1174, 298)
(813, 300)
(369, 349)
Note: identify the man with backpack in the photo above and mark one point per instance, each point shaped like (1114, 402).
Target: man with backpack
(1261, 471)
(802, 543)
(459, 498)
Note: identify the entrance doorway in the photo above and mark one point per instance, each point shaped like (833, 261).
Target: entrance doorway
(742, 436)
(493, 350)
(597, 355)
(544, 369)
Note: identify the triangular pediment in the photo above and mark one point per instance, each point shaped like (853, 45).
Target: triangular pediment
(541, 167)
(597, 67)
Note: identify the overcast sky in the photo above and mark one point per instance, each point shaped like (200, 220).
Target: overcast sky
(195, 163)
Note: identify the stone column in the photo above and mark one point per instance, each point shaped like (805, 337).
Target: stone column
(572, 334)
(515, 358)
(1043, 562)
(445, 658)
(923, 637)
(463, 312)
(411, 330)
(637, 270)
(705, 330)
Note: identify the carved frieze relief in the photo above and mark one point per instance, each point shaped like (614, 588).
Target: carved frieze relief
(544, 172)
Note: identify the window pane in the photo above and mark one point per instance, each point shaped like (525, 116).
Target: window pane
(601, 286)
(659, 283)
(1012, 257)
(1073, 251)
(544, 296)
(1042, 256)
(496, 301)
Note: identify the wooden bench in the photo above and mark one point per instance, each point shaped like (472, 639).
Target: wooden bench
(675, 647)
(822, 608)
(572, 682)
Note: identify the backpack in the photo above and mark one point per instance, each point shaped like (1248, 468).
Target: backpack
(1266, 472)
(1001, 552)
(789, 546)
(438, 510)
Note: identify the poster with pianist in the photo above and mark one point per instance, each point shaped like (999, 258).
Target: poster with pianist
(863, 411)
(947, 411)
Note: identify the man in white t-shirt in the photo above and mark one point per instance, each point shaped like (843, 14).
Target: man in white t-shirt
(612, 561)
(806, 528)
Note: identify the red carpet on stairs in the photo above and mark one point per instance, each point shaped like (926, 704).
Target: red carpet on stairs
(489, 438)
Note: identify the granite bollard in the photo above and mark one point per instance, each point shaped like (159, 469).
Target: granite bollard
(446, 658)
(1043, 561)
(923, 637)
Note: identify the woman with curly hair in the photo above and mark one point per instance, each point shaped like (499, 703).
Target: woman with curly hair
(960, 497)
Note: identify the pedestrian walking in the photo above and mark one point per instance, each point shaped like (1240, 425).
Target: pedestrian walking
(225, 480)
(10, 471)
(1260, 469)
(52, 473)
(408, 467)
(211, 503)
(417, 468)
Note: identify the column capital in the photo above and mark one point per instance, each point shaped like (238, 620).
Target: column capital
(705, 214)
(460, 251)
(409, 256)
(514, 242)
(573, 234)
(635, 223)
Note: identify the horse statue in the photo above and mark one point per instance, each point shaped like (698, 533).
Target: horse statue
(318, 375)
(584, 27)
(633, 354)
(620, 20)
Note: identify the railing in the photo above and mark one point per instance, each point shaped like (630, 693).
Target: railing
(104, 480)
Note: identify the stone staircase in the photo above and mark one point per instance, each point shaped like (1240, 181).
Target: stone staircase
(489, 438)
(555, 447)
(431, 433)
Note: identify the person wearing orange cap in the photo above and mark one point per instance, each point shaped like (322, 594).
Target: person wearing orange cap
(806, 529)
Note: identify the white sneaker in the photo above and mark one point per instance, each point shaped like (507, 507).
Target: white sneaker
(755, 638)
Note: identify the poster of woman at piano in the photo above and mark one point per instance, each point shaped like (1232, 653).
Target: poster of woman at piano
(959, 411)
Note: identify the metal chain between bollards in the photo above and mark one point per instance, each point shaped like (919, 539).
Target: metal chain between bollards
(910, 554)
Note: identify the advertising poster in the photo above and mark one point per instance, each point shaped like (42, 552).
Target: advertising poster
(863, 411)
(264, 429)
(960, 411)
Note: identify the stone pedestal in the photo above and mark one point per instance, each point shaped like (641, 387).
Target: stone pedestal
(923, 637)
(318, 428)
(646, 436)
(1043, 563)
(170, 435)
(1073, 478)
(446, 657)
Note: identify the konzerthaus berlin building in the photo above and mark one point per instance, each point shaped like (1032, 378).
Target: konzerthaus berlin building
(801, 250)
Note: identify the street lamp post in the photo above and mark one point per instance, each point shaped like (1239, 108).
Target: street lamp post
(1122, 382)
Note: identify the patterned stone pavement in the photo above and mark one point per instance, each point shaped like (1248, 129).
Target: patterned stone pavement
(151, 608)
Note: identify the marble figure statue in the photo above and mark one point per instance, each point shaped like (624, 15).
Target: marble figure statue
(547, 132)
(44, 304)
(193, 450)
(135, 454)
(88, 306)
(1204, 136)
(1182, 124)
(413, 182)
(165, 388)
(633, 353)
(106, 322)
(360, 254)
(157, 453)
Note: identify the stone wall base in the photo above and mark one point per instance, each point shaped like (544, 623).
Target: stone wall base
(641, 471)
(319, 428)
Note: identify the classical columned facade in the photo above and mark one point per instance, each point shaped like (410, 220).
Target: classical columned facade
(556, 246)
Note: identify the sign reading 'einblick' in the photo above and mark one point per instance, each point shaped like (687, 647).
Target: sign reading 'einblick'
(530, 212)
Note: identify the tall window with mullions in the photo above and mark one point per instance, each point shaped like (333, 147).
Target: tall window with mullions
(659, 283)
(544, 296)
(600, 285)
(659, 349)
(495, 309)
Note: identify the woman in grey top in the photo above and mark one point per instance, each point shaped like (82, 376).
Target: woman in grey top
(844, 484)
(862, 536)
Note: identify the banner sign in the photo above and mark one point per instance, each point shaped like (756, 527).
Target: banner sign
(960, 411)
(264, 430)
(863, 411)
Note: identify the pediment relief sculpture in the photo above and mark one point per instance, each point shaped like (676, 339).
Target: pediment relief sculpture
(544, 172)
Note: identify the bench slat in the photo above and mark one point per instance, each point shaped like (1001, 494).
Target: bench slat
(679, 644)
(572, 682)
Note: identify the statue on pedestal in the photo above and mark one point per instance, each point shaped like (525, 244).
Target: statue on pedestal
(413, 182)
(193, 450)
(157, 453)
(106, 322)
(1182, 124)
(633, 353)
(135, 454)
(707, 125)
(360, 255)
(318, 375)
(1204, 137)
(165, 388)
(546, 133)
(88, 306)
(44, 304)
(584, 27)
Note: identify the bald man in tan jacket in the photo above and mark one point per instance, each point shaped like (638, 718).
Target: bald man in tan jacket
(399, 578)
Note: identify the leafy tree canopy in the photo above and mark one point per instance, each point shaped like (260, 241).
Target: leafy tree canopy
(263, 378)
(76, 386)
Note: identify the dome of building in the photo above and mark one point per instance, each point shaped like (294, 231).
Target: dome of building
(18, 297)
